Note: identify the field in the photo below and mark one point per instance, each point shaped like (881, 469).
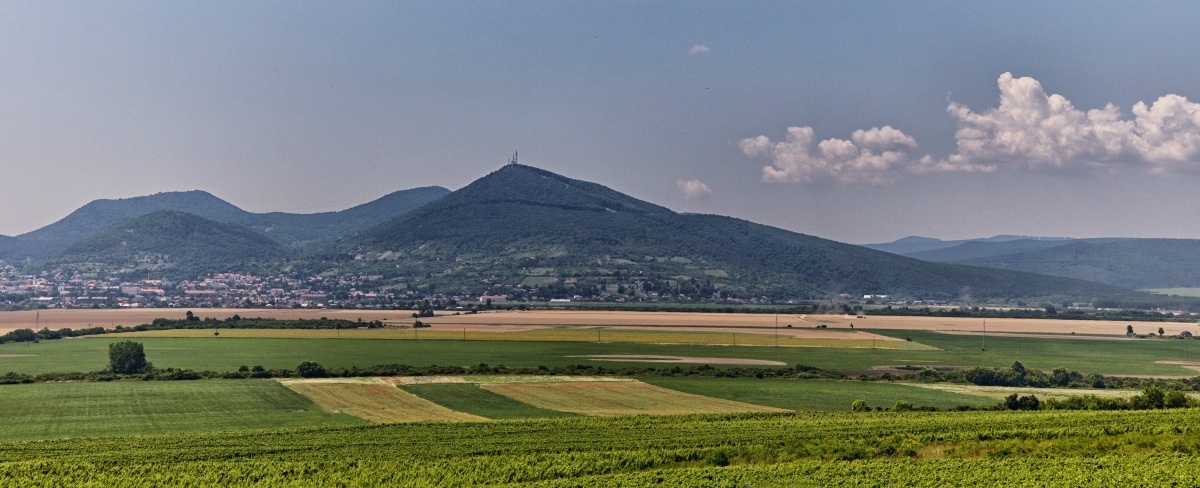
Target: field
(470, 398)
(603, 430)
(45, 411)
(913, 449)
(1183, 292)
(609, 398)
(817, 395)
(1151, 356)
(59, 318)
(721, 337)
(374, 400)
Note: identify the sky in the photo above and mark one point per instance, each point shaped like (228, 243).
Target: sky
(854, 121)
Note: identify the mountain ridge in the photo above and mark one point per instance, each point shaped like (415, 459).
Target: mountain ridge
(288, 228)
(521, 218)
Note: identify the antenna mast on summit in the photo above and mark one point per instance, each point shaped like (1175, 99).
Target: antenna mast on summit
(514, 158)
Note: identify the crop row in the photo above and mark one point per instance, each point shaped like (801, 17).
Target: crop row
(621, 451)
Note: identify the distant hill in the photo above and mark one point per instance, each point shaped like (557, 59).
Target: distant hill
(169, 243)
(7, 245)
(915, 244)
(1128, 263)
(306, 227)
(523, 224)
(912, 244)
(284, 227)
(982, 249)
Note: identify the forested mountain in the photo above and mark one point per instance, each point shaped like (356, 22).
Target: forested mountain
(983, 249)
(172, 244)
(1128, 263)
(523, 224)
(284, 227)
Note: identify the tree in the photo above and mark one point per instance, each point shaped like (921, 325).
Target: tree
(1161, 331)
(127, 357)
(859, 406)
(311, 369)
(1129, 330)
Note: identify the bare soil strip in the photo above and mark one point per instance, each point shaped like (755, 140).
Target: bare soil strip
(17, 355)
(376, 401)
(618, 398)
(679, 359)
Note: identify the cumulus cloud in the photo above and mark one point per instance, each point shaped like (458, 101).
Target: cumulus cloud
(698, 49)
(693, 189)
(1029, 130)
(870, 156)
(1037, 131)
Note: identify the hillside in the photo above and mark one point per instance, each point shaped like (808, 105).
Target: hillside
(285, 227)
(911, 245)
(983, 249)
(172, 244)
(563, 236)
(1128, 263)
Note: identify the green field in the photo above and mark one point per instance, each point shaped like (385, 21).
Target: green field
(472, 399)
(226, 353)
(815, 394)
(874, 449)
(54, 410)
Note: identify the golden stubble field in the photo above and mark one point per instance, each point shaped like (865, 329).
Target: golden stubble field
(802, 325)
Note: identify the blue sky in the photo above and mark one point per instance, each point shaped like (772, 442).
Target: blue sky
(306, 107)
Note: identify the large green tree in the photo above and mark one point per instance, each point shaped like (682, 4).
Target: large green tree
(127, 357)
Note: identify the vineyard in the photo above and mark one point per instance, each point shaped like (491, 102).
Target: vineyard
(786, 449)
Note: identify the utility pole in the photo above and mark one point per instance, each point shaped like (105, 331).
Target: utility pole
(776, 330)
(984, 334)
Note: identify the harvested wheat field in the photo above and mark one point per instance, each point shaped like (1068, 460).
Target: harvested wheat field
(799, 323)
(493, 379)
(609, 398)
(374, 400)
(56, 318)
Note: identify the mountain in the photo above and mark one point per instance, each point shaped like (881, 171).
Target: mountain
(285, 227)
(977, 249)
(7, 245)
(915, 244)
(170, 243)
(525, 225)
(306, 227)
(1128, 263)
(912, 244)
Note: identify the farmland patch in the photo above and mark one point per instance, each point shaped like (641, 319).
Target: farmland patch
(375, 401)
(636, 358)
(618, 398)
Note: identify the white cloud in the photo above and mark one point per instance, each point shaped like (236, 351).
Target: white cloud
(870, 156)
(698, 49)
(693, 189)
(1030, 130)
(1039, 132)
